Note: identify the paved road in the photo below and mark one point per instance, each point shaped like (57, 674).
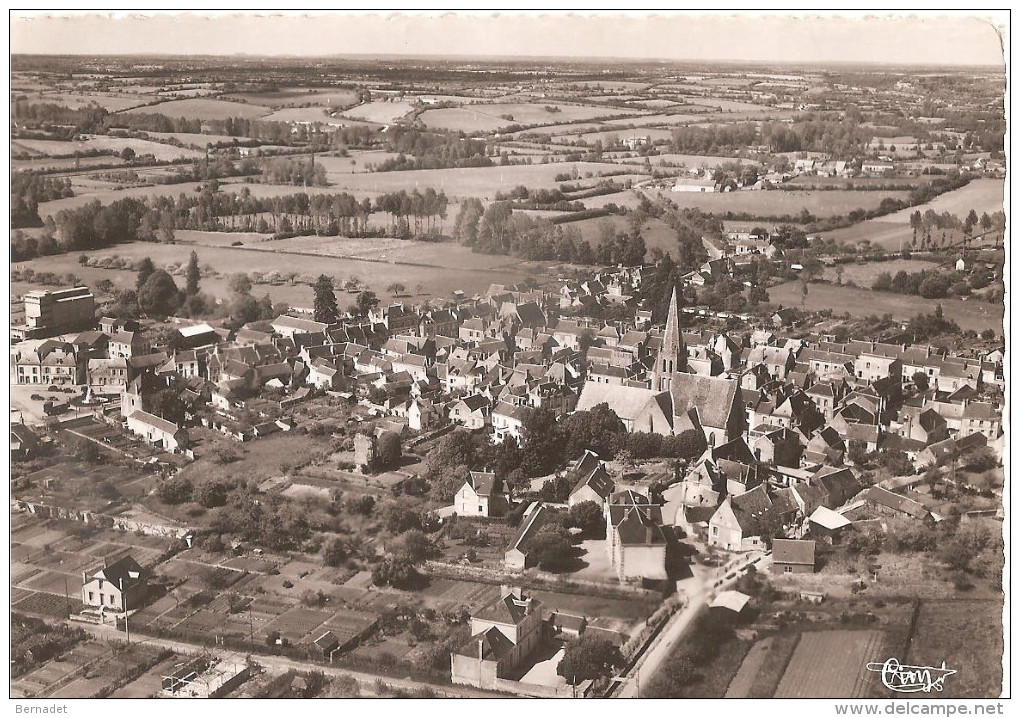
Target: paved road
(281, 664)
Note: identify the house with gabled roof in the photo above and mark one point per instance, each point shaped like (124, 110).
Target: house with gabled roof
(471, 411)
(518, 555)
(738, 522)
(793, 556)
(482, 494)
(593, 482)
(636, 540)
(116, 587)
(503, 634)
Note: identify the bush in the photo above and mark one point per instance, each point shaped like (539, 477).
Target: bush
(175, 490)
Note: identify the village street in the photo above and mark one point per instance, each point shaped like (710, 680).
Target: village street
(699, 590)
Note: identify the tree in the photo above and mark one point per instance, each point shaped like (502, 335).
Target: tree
(335, 552)
(396, 289)
(587, 516)
(552, 547)
(396, 572)
(599, 429)
(127, 154)
(557, 489)
(326, 310)
(240, 284)
(588, 658)
(387, 454)
(920, 380)
(365, 302)
(541, 442)
(145, 270)
(192, 276)
(174, 490)
(210, 494)
(159, 295)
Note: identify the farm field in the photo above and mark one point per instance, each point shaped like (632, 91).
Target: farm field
(831, 664)
(981, 195)
(689, 161)
(378, 111)
(204, 109)
(75, 101)
(611, 136)
(291, 96)
(163, 153)
(306, 114)
(481, 182)
(662, 118)
(68, 163)
(763, 666)
(357, 162)
(781, 202)
(864, 275)
(809, 181)
(439, 282)
(197, 141)
(488, 117)
(966, 635)
(864, 302)
(446, 254)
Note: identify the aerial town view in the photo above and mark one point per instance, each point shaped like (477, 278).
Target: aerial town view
(346, 372)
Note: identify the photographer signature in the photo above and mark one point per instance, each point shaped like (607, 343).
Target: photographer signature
(911, 679)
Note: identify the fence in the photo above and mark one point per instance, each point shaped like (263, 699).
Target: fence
(101, 520)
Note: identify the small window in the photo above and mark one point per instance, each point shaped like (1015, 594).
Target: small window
(787, 569)
(479, 508)
(92, 597)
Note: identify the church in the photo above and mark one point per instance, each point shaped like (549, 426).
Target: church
(675, 401)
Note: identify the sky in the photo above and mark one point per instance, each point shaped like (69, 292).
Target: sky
(938, 39)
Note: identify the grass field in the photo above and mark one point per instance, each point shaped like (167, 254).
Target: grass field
(378, 111)
(305, 114)
(967, 635)
(74, 100)
(893, 230)
(290, 96)
(864, 275)
(864, 302)
(163, 153)
(831, 664)
(197, 141)
(204, 109)
(768, 203)
(489, 117)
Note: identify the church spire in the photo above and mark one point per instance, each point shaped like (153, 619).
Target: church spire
(672, 356)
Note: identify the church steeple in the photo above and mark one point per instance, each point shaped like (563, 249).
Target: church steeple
(672, 356)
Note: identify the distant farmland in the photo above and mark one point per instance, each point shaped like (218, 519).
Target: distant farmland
(488, 117)
(203, 108)
(969, 314)
(771, 203)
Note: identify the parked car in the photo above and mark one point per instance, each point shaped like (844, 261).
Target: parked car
(36, 397)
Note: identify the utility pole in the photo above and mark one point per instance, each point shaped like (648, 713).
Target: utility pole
(123, 598)
(67, 598)
(251, 631)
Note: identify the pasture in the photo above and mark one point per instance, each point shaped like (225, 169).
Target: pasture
(293, 96)
(305, 114)
(490, 117)
(772, 203)
(967, 635)
(162, 152)
(196, 141)
(383, 112)
(75, 100)
(864, 275)
(970, 314)
(831, 664)
(201, 108)
(438, 281)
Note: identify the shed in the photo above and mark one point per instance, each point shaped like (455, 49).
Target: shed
(793, 556)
